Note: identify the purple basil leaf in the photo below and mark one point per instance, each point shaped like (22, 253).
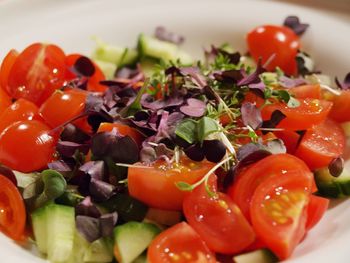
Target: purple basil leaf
(94, 168)
(7, 172)
(94, 103)
(276, 146)
(84, 67)
(127, 73)
(101, 143)
(196, 76)
(336, 166)
(87, 208)
(62, 167)
(251, 115)
(195, 152)
(148, 154)
(107, 223)
(252, 158)
(276, 117)
(194, 108)
(162, 34)
(253, 78)
(247, 149)
(100, 190)
(68, 149)
(229, 76)
(88, 227)
(125, 150)
(290, 83)
(74, 134)
(214, 150)
(257, 86)
(345, 84)
(293, 23)
(148, 102)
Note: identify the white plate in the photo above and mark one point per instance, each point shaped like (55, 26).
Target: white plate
(71, 24)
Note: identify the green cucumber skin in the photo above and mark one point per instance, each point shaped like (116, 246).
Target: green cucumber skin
(257, 256)
(39, 222)
(334, 187)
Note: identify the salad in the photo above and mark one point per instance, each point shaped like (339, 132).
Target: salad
(146, 155)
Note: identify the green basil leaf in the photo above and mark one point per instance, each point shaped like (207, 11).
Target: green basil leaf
(283, 95)
(293, 103)
(205, 127)
(54, 184)
(187, 130)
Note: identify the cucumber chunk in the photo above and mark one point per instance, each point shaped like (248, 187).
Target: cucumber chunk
(39, 222)
(141, 259)
(80, 247)
(257, 256)
(331, 186)
(100, 250)
(107, 68)
(132, 238)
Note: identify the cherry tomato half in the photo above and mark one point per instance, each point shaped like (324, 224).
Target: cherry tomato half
(216, 218)
(181, 244)
(156, 186)
(37, 72)
(306, 91)
(321, 144)
(123, 129)
(316, 209)
(265, 41)
(279, 211)
(5, 100)
(6, 66)
(341, 107)
(12, 210)
(27, 146)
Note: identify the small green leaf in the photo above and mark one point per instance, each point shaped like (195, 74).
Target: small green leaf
(54, 183)
(205, 127)
(183, 186)
(283, 95)
(293, 103)
(187, 130)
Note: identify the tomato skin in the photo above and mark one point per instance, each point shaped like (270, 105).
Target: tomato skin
(290, 139)
(316, 209)
(275, 165)
(5, 101)
(6, 66)
(37, 72)
(122, 129)
(218, 221)
(341, 108)
(93, 82)
(181, 242)
(321, 144)
(63, 106)
(156, 186)
(20, 110)
(12, 210)
(310, 112)
(27, 146)
(264, 41)
(306, 91)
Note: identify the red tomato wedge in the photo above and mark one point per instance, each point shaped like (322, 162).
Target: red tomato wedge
(276, 165)
(12, 210)
(216, 218)
(6, 66)
(290, 139)
(321, 144)
(306, 91)
(266, 41)
(279, 211)
(310, 112)
(37, 72)
(341, 107)
(27, 146)
(156, 186)
(122, 129)
(93, 81)
(181, 244)
(20, 110)
(316, 209)
(5, 101)
(63, 106)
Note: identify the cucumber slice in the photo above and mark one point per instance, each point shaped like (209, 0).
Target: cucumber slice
(164, 217)
(60, 232)
(148, 66)
(141, 259)
(257, 256)
(100, 250)
(132, 238)
(39, 222)
(129, 58)
(108, 53)
(107, 68)
(80, 247)
(331, 186)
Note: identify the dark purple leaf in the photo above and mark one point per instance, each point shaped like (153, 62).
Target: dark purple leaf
(194, 108)
(257, 86)
(293, 23)
(247, 149)
(87, 208)
(107, 223)
(84, 67)
(253, 157)
(62, 167)
(148, 102)
(229, 76)
(290, 83)
(95, 169)
(214, 150)
(234, 58)
(88, 227)
(196, 76)
(276, 117)
(276, 146)
(7, 172)
(100, 190)
(74, 134)
(148, 154)
(251, 115)
(68, 149)
(124, 150)
(162, 34)
(195, 152)
(336, 166)
(94, 103)
(127, 73)
(253, 78)
(102, 142)
(345, 84)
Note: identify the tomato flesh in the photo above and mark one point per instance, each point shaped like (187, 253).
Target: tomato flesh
(37, 72)
(181, 244)
(266, 41)
(6, 66)
(321, 144)
(156, 186)
(27, 146)
(218, 221)
(306, 91)
(279, 211)
(315, 211)
(12, 210)
(341, 107)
